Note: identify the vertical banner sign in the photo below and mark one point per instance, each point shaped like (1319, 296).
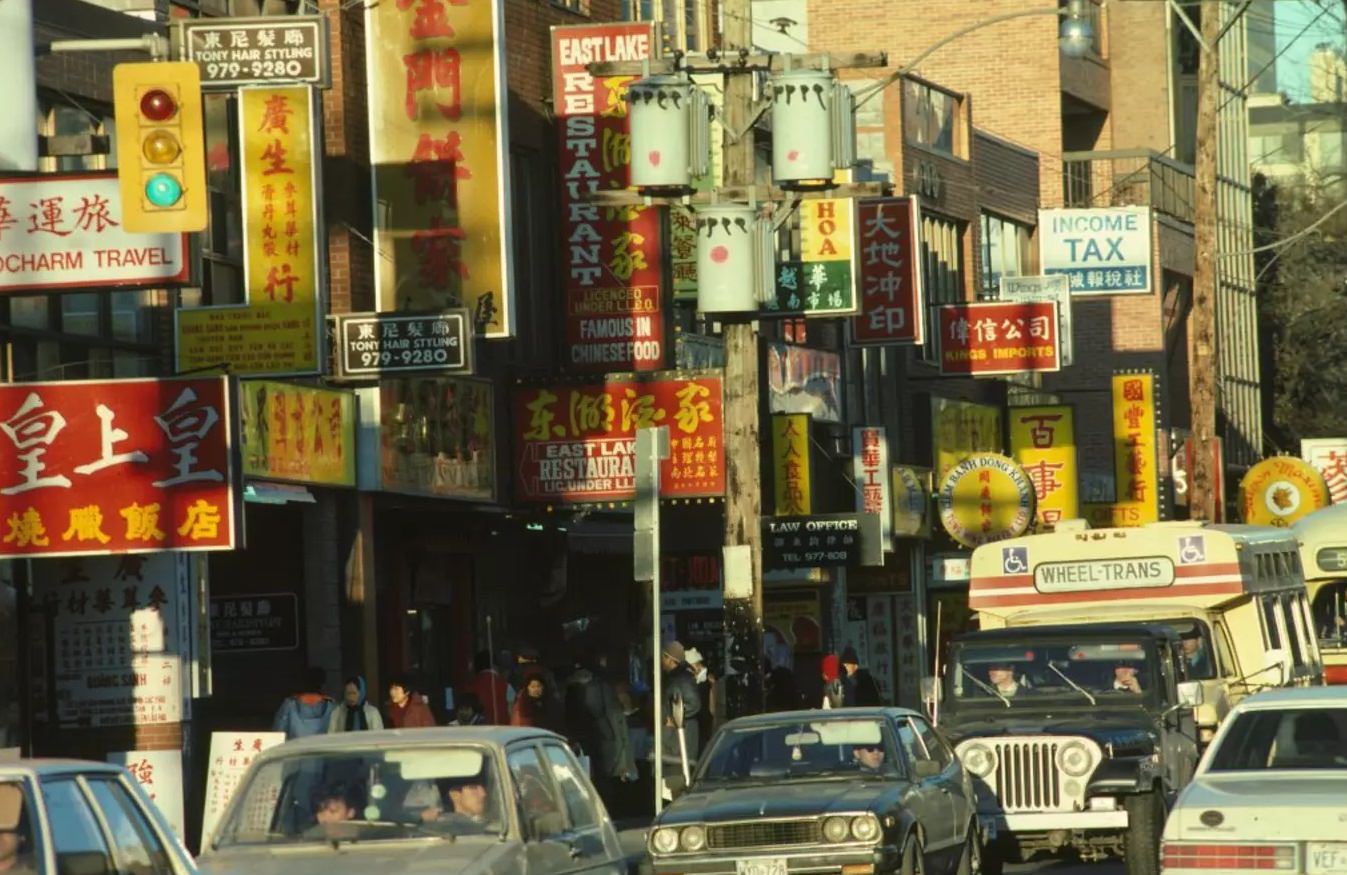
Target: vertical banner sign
(230, 755)
(1043, 441)
(613, 281)
(890, 274)
(438, 143)
(1134, 445)
(870, 471)
(1329, 456)
(790, 464)
(822, 282)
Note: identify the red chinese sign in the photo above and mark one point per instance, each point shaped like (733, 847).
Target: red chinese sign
(890, 274)
(613, 254)
(578, 443)
(1009, 337)
(116, 466)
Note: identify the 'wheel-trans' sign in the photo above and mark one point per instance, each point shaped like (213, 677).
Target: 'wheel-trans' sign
(1104, 251)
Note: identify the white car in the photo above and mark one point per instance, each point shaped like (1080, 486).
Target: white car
(1271, 791)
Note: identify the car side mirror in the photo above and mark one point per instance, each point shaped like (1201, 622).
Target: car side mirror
(927, 769)
(1191, 694)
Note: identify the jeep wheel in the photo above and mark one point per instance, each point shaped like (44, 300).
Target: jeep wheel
(1145, 823)
(912, 863)
(970, 859)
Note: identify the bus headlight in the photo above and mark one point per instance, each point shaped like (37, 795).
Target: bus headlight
(664, 841)
(1074, 758)
(979, 760)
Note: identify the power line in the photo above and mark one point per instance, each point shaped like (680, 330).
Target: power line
(1243, 90)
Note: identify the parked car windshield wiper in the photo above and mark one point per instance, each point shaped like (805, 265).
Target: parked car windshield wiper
(986, 688)
(1075, 686)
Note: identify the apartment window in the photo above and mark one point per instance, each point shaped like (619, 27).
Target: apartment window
(929, 116)
(942, 259)
(682, 22)
(1329, 147)
(1005, 251)
(580, 7)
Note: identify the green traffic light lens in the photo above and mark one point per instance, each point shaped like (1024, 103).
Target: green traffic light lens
(163, 190)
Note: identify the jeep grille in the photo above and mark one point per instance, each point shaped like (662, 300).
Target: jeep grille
(1026, 776)
(763, 834)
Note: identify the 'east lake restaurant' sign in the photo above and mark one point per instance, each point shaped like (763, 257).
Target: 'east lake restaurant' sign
(822, 540)
(577, 444)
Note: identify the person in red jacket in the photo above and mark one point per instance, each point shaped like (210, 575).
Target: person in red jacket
(491, 689)
(406, 709)
(530, 705)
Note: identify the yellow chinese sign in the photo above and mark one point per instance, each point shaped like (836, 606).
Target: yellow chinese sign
(790, 464)
(298, 433)
(1281, 490)
(1043, 441)
(961, 428)
(438, 148)
(985, 498)
(1135, 456)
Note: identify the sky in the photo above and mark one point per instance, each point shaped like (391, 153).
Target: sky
(1291, 18)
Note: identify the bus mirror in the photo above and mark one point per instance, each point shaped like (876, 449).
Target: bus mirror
(928, 690)
(1278, 665)
(1190, 694)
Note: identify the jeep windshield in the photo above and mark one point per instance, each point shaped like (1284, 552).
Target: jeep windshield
(818, 748)
(366, 794)
(1008, 674)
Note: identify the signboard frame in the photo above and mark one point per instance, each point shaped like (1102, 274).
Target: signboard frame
(184, 48)
(342, 351)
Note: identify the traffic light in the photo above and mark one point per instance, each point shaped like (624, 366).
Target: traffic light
(161, 160)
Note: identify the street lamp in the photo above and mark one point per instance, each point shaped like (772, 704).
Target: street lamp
(1076, 35)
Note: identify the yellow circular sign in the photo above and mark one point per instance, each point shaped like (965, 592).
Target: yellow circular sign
(985, 498)
(1281, 490)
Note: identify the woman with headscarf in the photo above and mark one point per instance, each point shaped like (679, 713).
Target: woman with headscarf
(354, 713)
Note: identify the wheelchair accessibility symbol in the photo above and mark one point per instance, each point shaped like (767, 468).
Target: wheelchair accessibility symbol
(1015, 560)
(1192, 549)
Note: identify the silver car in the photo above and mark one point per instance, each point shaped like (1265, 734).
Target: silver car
(451, 800)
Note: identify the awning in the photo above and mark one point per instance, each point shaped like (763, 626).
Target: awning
(267, 492)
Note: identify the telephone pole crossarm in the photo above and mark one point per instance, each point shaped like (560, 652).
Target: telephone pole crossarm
(734, 62)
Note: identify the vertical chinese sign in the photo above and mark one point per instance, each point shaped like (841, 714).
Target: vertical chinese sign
(613, 282)
(278, 331)
(790, 464)
(116, 466)
(439, 146)
(890, 274)
(576, 444)
(823, 281)
(1134, 444)
(298, 433)
(1043, 441)
(230, 755)
(870, 471)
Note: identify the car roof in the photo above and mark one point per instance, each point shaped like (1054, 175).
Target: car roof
(46, 768)
(1019, 633)
(490, 735)
(808, 714)
(1293, 697)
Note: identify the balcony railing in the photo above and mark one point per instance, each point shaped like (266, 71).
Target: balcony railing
(1129, 177)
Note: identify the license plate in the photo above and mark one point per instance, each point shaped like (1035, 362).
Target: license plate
(764, 866)
(1326, 858)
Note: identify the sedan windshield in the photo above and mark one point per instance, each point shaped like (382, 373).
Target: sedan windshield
(368, 795)
(1308, 738)
(818, 748)
(1011, 674)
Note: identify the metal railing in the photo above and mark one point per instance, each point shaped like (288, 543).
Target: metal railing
(1128, 177)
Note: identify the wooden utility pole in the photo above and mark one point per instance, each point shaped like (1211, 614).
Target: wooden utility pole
(743, 480)
(1202, 366)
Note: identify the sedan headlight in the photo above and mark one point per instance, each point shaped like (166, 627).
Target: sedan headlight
(693, 838)
(836, 829)
(865, 828)
(664, 841)
(1074, 758)
(979, 760)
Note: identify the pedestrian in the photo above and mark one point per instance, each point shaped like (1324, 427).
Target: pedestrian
(531, 705)
(680, 683)
(859, 688)
(354, 713)
(598, 723)
(307, 713)
(529, 662)
(831, 669)
(705, 692)
(492, 690)
(467, 710)
(407, 709)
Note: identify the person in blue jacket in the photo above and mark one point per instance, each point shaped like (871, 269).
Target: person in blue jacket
(308, 713)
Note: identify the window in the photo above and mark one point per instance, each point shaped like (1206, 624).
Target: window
(936, 749)
(1292, 623)
(942, 259)
(910, 745)
(1271, 631)
(536, 794)
(78, 842)
(222, 244)
(579, 807)
(1309, 738)
(1005, 251)
(1330, 613)
(139, 851)
(929, 117)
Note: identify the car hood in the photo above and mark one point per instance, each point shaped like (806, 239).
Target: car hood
(708, 803)
(1125, 732)
(404, 857)
(1272, 804)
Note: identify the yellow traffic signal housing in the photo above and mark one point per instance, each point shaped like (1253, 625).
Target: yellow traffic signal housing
(161, 155)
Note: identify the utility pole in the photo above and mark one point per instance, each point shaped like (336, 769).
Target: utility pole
(1202, 368)
(743, 487)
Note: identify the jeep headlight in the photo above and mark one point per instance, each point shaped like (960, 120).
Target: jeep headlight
(1074, 758)
(664, 841)
(979, 760)
(693, 838)
(836, 829)
(865, 828)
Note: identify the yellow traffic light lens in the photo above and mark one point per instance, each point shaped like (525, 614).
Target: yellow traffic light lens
(161, 147)
(163, 190)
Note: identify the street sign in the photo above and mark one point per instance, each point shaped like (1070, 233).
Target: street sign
(371, 344)
(828, 540)
(256, 51)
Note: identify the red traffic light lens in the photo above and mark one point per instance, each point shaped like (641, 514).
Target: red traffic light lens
(158, 105)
